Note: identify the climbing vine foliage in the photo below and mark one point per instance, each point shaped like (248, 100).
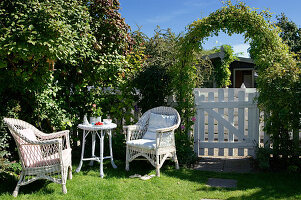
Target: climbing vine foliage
(222, 72)
(279, 76)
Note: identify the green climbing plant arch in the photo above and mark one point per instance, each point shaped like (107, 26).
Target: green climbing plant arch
(279, 75)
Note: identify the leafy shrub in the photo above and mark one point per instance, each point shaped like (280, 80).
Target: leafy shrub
(9, 170)
(185, 153)
(154, 80)
(290, 33)
(50, 52)
(293, 169)
(7, 144)
(4, 154)
(153, 84)
(6, 167)
(263, 158)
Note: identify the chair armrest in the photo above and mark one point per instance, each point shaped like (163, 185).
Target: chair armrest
(131, 127)
(165, 136)
(129, 130)
(168, 129)
(43, 142)
(56, 135)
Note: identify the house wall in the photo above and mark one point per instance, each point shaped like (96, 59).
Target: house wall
(242, 72)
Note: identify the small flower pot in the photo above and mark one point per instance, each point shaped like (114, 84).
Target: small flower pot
(92, 120)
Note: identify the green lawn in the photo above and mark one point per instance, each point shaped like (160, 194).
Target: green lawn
(173, 184)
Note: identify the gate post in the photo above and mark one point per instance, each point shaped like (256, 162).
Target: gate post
(199, 134)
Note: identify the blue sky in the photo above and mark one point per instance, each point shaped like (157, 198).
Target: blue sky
(177, 14)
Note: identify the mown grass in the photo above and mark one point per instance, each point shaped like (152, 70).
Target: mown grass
(173, 184)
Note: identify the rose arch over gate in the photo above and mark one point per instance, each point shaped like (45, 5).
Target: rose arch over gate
(278, 74)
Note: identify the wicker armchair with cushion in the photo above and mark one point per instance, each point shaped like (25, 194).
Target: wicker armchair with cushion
(152, 137)
(43, 156)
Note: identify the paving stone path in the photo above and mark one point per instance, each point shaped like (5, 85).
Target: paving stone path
(238, 165)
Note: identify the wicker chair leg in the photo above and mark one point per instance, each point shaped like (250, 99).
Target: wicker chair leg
(176, 160)
(64, 179)
(158, 171)
(127, 163)
(64, 188)
(158, 165)
(127, 166)
(69, 172)
(16, 191)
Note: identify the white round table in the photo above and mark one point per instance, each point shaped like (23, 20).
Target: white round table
(100, 132)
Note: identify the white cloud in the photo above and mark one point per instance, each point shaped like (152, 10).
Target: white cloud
(241, 50)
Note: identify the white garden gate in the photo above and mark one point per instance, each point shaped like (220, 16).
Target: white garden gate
(227, 122)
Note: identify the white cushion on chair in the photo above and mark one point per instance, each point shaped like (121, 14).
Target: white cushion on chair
(30, 153)
(54, 159)
(29, 134)
(143, 143)
(157, 121)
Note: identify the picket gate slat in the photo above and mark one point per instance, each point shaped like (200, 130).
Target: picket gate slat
(241, 120)
(231, 119)
(220, 125)
(210, 126)
(251, 123)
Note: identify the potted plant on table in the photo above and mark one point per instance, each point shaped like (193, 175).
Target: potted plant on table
(95, 115)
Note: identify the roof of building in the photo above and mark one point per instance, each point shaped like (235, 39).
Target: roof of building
(221, 55)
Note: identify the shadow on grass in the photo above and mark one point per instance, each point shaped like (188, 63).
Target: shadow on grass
(136, 167)
(8, 186)
(255, 185)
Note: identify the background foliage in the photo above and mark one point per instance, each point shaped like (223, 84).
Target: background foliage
(159, 80)
(154, 81)
(290, 33)
(51, 51)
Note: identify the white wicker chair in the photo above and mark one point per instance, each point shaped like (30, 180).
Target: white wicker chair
(43, 156)
(154, 141)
